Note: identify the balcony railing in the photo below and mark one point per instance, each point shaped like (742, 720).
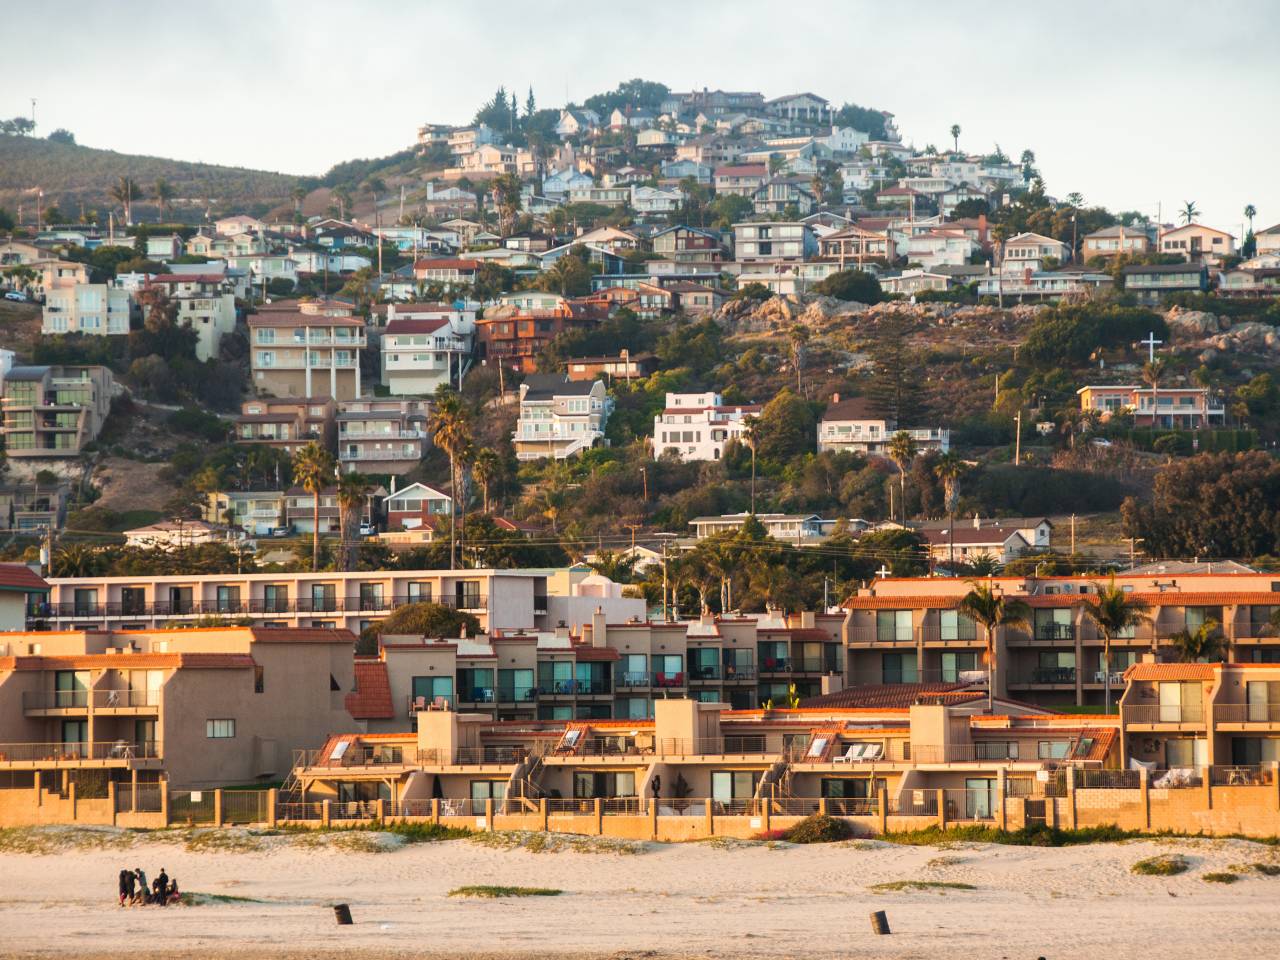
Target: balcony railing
(112, 699)
(571, 688)
(349, 455)
(1242, 775)
(775, 665)
(631, 679)
(706, 672)
(517, 694)
(55, 700)
(1046, 675)
(72, 753)
(1246, 713)
(1158, 713)
(78, 610)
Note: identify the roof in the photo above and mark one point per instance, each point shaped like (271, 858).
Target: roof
(26, 373)
(982, 536)
(1162, 268)
(447, 263)
(892, 695)
(302, 635)
(371, 697)
(742, 170)
(855, 408)
(131, 661)
(300, 319)
(399, 325)
(1172, 671)
(546, 386)
(21, 578)
(587, 654)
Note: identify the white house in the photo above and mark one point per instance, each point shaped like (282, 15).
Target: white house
(95, 309)
(576, 121)
(655, 199)
(1027, 253)
(696, 426)
(205, 303)
(424, 346)
(561, 183)
(940, 248)
(175, 534)
(853, 426)
(559, 417)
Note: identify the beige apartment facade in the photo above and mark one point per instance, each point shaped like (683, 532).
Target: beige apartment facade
(306, 355)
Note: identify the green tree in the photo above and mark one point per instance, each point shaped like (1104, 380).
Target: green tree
(313, 471)
(430, 620)
(1206, 644)
(1113, 612)
(902, 451)
(569, 276)
(487, 470)
(353, 488)
(1189, 211)
(955, 137)
(992, 611)
(126, 192)
(451, 429)
(506, 194)
(164, 196)
(62, 135)
(949, 468)
(852, 285)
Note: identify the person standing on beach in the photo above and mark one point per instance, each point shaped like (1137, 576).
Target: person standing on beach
(124, 886)
(131, 882)
(162, 888)
(143, 891)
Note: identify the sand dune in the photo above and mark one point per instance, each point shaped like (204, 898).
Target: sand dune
(704, 900)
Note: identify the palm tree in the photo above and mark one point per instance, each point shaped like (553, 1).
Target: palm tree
(452, 433)
(955, 137)
(618, 567)
(124, 192)
(352, 489)
(487, 468)
(798, 336)
(984, 606)
(949, 469)
(902, 451)
(164, 194)
(1152, 372)
(1189, 211)
(1112, 612)
(751, 436)
(1205, 645)
(1250, 211)
(299, 193)
(313, 471)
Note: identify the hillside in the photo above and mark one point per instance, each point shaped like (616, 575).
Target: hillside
(71, 174)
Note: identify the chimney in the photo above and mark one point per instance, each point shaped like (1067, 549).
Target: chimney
(977, 523)
(599, 630)
(835, 398)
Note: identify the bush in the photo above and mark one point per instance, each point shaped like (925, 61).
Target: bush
(1037, 836)
(852, 285)
(1168, 865)
(819, 828)
(1220, 877)
(200, 423)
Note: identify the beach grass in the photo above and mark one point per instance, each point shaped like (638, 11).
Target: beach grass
(204, 899)
(1220, 877)
(1168, 865)
(894, 886)
(1025, 837)
(536, 842)
(495, 892)
(819, 828)
(1266, 869)
(56, 839)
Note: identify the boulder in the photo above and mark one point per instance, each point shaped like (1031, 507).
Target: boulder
(1191, 324)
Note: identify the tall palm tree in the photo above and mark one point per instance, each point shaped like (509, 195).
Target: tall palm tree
(451, 430)
(164, 196)
(1205, 645)
(798, 336)
(751, 433)
(955, 137)
(1250, 211)
(1112, 612)
(313, 471)
(1152, 373)
(949, 469)
(487, 468)
(1189, 211)
(126, 192)
(299, 193)
(984, 606)
(353, 488)
(902, 451)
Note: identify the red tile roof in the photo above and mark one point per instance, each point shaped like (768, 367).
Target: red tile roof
(891, 695)
(17, 576)
(301, 635)
(371, 698)
(403, 325)
(447, 263)
(587, 654)
(1172, 671)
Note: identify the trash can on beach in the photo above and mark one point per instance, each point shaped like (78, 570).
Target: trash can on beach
(342, 913)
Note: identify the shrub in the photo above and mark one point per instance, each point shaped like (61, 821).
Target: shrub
(1220, 877)
(494, 892)
(818, 828)
(1268, 869)
(1168, 865)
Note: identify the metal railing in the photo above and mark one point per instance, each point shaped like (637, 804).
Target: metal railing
(1246, 713)
(1045, 675)
(354, 756)
(191, 806)
(740, 745)
(310, 810)
(1088, 778)
(631, 679)
(913, 803)
(734, 673)
(72, 753)
(1160, 713)
(1242, 775)
(245, 806)
(55, 699)
(137, 697)
(570, 688)
(775, 665)
(618, 746)
(113, 609)
(698, 673)
(353, 810)
(520, 694)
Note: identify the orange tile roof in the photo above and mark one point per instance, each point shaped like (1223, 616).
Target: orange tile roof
(130, 661)
(17, 576)
(302, 635)
(898, 695)
(371, 698)
(1172, 671)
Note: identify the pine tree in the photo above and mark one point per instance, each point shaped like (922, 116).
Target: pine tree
(530, 105)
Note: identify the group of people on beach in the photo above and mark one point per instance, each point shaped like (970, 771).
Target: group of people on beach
(134, 890)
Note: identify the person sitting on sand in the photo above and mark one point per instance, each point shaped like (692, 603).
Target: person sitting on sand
(162, 888)
(174, 895)
(144, 892)
(124, 886)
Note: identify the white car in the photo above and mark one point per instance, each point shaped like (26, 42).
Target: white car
(17, 295)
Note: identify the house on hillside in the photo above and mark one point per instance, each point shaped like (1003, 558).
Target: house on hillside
(1196, 242)
(854, 425)
(559, 417)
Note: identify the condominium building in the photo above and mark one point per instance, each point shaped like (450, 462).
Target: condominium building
(515, 336)
(382, 435)
(697, 426)
(256, 512)
(94, 309)
(54, 411)
(205, 707)
(296, 354)
(774, 240)
(499, 599)
(287, 424)
(855, 426)
(910, 630)
(559, 418)
(204, 303)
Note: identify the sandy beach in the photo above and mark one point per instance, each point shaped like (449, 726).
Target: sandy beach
(716, 899)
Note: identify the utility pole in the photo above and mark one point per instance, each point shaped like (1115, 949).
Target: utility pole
(1073, 534)
(664, 581)
(1133, 543)
(1017, 439)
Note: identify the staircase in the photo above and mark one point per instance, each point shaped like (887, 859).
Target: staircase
(774, 785)
(522, 788)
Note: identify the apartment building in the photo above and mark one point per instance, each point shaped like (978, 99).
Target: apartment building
(909, 630)
(287, 424)
(776, 240)
(559, 417)
(1172, 408)
(296, 354)
(508, 600)
(94, 309)
(858, 245)
(853, 425)
(425, 346)
(197, 707)
(696, 426)
(380, 435)
(623, 366)
(204, 302)
(54, 411)
(515, 336)
(1150, 283)
(683, 244)
(34, 506)
(257, 512)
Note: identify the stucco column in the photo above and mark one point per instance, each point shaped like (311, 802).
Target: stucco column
(272, 797)
(542, 813)
(1144, 788)
(435, 809)
(709, 818)
(882, 810)
(1207, 780)
(111, 800)
(1002, 813)
(942, 808)
(653, 820)
(217, 808)
(488, 813)
(324, 813)
(133, 787)
(1071, 798)
(164, 802)
(71, 798)
(382, 809)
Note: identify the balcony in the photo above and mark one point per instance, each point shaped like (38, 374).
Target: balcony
(41, 701)
(701, 674)
(1045, 675)
(254, 607)
(517, 694)
(632, 680)
(739, 673)
(773, 665)
(1265, 713)
(359, 455)
(75, 754)
(1151, 714)
(668, 681)
(571, 688)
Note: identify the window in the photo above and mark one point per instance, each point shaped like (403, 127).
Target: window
(898, 668)
(428, 689)
(587, 785)
(516, 686)
(954, 664)
(730, 785)
(219, 729)
(1186, 752)
(482, 790)
(893, 625)
(954, 625)
(1053, 749)
(259, 680)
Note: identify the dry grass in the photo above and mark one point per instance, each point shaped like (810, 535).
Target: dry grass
(1220, 877)
(1167, 865)
(492, 892)
(41, 841)
(893, 886)
(556, 842)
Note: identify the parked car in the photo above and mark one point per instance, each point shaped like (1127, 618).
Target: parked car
(368, 530)
(281, 531)
(17, 295)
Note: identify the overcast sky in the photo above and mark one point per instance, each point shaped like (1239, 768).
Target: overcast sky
(1132, 104)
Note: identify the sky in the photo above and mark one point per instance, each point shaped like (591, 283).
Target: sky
(1136, 105)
